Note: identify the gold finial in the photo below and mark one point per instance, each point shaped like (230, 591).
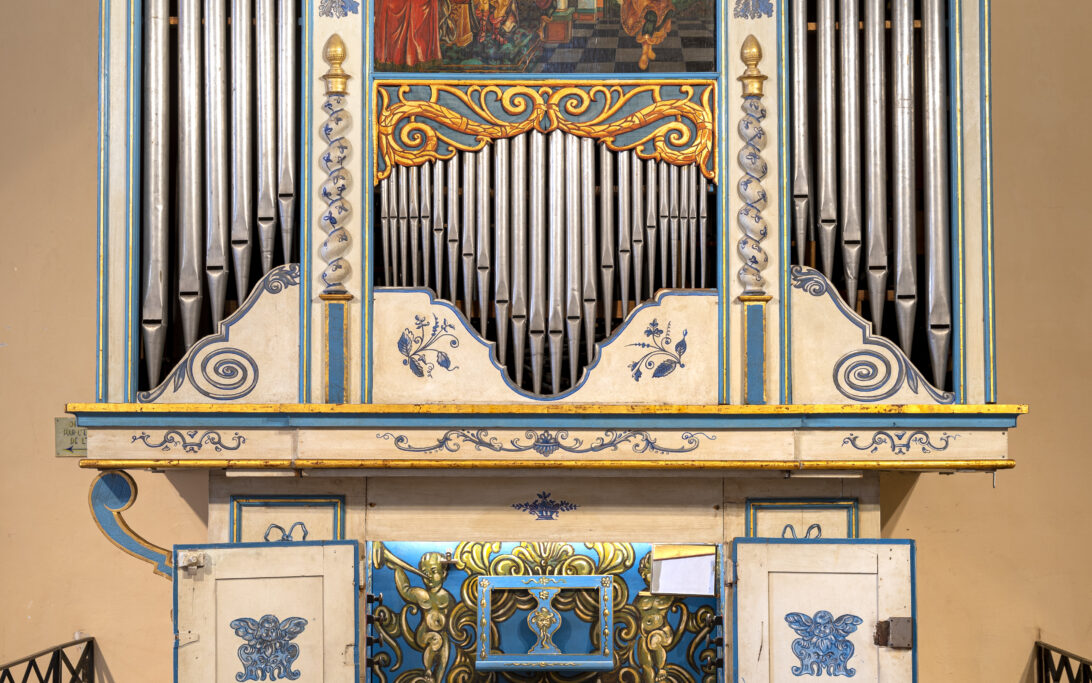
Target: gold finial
(337, 81)
(752, 78)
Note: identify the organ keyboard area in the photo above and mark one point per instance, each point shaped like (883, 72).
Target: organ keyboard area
(545, 242)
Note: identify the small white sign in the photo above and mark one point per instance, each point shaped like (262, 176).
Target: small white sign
(68, 439)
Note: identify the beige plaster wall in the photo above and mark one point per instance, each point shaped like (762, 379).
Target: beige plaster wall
(998, 568)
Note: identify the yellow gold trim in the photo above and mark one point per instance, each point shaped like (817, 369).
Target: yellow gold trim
(333, 53)
(440, 464)
(551, 409)
(336, 297)
(545, 107)
(752, 79)
(755, 298)
(671, 551)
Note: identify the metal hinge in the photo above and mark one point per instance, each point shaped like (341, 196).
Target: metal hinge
(187, 637)
(191, 561)
(896, 633)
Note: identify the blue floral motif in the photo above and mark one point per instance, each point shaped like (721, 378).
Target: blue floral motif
(822, 646)
(268, 653)
(660, 359)
(753, 9)
(900, 443)
(547, 442)
(335, 9)
(544, 507)
(189, 441)
(418, 353)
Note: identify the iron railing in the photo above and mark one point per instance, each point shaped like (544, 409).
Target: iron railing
(58, 665)
(1052, 662)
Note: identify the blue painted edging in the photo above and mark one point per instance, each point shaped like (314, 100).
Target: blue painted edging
(102, 206)
(336, 502)
(289, 544)
(827, 541)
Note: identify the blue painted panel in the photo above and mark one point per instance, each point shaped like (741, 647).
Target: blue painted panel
(427, 625)
(335, 353)
(754, 341)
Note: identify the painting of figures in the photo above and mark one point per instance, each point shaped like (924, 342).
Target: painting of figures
(545, 36)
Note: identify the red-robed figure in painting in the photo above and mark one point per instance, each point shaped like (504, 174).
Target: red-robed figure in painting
(407, 32)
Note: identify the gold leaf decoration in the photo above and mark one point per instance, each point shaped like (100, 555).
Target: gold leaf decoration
(411, 128)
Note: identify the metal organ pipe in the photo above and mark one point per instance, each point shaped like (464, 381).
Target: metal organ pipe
(242, 143)
(190, 170)
(216, 157)
(938, 301)
(265, 47)
(828, 153)
(902, 28)
(625, 238)
(156, 218)
(286, 124)
(875, 160)
(556, 241)
(518, 288)
(851, 149)
(501, 242)
(537, 322)
(801, 142)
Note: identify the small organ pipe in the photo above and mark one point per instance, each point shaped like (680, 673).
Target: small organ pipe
(625, 243)
(402, 230)
(265, 46)
(438, 215)
(470, 192)
(573, 252)
(385, 217)
(851, 149)
(537, 320)
(801, 137)
(242, 144)
(664, 223)
(453, 248)
(518, 291)
(637, 226)
(217, 216)
(426, 221)
(606, 236)
(703, 226)
(556, 224)
(286, 123)
(501, 243)
(938, 301)
(413, 227)
(589, 275)
(483, 255)
(673, 222)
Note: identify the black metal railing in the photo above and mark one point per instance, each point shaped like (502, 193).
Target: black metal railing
(58, 665)
(1051, 663)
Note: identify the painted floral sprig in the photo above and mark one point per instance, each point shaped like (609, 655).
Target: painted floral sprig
(419, 353)
(660, 358)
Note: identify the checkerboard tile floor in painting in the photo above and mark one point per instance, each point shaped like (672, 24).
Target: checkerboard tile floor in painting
(601, 46)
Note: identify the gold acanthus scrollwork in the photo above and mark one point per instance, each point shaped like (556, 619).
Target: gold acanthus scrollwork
(545, 108)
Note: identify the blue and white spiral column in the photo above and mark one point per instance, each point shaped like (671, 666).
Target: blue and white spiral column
(752, 224)
(335, 221)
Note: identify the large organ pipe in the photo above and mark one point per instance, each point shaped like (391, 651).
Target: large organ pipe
(217, 217)
(536, 323)
(875, 160)
(483, 254)
(556, 241)
(265, 47)
(625, 243)
(470, 191)
(801, 148)
(518, 260)
(606, 238)
(153, 314)
(190, 193)
(573, 254)
(589, 275)
(286, 123)
(413, 227)
(438, 226)
(453, 248)
(501, 296)
(902, 28)
(936, 186)
(426, 221)
(242, 145)
(828, 153)
(851, 149)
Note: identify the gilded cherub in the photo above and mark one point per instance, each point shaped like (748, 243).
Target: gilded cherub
(657, 634)
(435, 604)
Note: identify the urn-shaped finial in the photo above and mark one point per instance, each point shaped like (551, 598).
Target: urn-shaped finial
(752, 79)
(337, 81)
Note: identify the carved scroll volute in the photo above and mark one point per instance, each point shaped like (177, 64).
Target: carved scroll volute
(333, 131)
(754, 167)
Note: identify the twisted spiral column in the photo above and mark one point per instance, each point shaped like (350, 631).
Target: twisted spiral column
(751, 222)
(334, 221)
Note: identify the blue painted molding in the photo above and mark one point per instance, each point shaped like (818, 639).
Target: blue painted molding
(227, 373)
(547, 442)
(337, 361)
(191, 441)
(754, 345)
(240, 503)
(544, 507)
(901, 443)
(268, 650)
(754, 506)
(861, 375)
(823, 646)
(544, 620)
(111, 494)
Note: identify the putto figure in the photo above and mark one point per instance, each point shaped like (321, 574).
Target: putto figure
(268, 653)
(823, 646)
(649, 21)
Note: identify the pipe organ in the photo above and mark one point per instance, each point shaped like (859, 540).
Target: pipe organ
(530, 341)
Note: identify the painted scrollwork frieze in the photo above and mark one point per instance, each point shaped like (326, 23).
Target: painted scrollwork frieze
(665, 121)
